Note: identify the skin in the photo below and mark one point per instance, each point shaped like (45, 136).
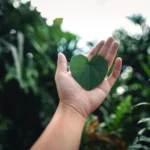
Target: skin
(65, 129)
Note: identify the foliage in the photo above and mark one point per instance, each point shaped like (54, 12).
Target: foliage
(118, 126)
(142, 140)
(112, 129)
(28, 56)
(28, 95)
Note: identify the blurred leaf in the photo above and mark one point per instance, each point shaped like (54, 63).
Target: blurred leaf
(143, 130)
(16, 60)
(58, 21)
(138, 146)
(145, 68)
(4, 123)
(115, 121)
(137, 19)
(20, 40)
(141, 104)
(144, 139)
(144, 120)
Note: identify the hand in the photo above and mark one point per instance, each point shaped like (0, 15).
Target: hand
(72, 95)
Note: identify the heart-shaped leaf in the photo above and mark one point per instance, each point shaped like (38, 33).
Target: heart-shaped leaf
(88, 74)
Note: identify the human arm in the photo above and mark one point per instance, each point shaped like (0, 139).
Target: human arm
(65, 129)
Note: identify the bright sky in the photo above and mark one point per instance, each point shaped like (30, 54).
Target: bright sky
(94, 19)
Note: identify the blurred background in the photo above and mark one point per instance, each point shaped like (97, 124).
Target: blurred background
(31, 35)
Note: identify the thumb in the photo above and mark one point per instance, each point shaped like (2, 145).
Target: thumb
(61, 63)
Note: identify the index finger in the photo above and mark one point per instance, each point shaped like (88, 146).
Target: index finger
(94, 51)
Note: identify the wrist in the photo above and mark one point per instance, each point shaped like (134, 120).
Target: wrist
(68, 110)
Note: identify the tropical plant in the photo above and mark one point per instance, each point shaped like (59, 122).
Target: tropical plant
(28, 95)
(142, 140)
(116, 127)
(28, 56)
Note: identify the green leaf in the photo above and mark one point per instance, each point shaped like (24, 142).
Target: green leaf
(20, 40)
(17, 63)
(137, 146)
(144, 139)
(137, 19)
(141, 104)
(143, 130)
(118, 119)
(58, 21)
(144, 120)
(145, 67)
(88, 74)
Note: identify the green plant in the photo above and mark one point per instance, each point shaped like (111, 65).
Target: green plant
(142, 140)
(28, 57)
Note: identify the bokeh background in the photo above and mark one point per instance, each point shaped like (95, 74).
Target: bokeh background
(32, 34)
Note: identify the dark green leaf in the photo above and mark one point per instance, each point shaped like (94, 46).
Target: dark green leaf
(88, 74)
(144, 139)
(144, 120)
(141, 104)
(143, 130)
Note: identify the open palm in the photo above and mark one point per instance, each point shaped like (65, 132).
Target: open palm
(75, 96)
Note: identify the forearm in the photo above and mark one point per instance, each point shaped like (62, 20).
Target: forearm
(63, 132)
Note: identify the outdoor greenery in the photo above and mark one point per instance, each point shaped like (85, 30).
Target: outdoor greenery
(28, 95)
